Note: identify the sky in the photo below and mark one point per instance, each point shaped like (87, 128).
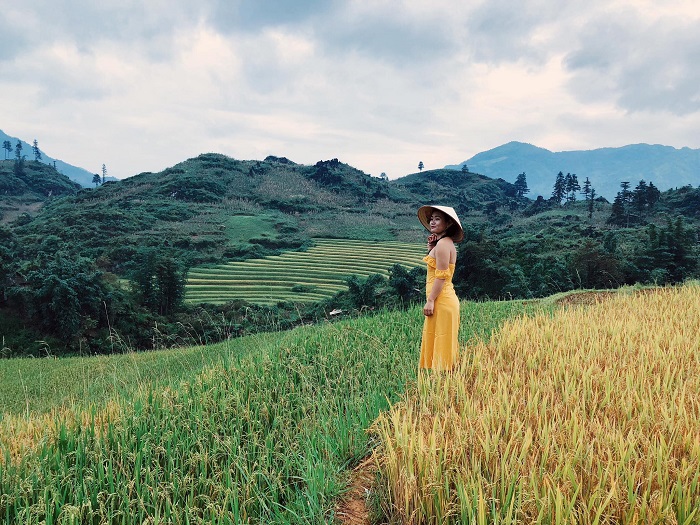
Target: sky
(381, 85)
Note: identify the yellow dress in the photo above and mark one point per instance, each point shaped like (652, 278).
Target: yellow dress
(439, 346)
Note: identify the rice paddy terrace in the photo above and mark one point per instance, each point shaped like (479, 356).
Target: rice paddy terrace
(307, 276)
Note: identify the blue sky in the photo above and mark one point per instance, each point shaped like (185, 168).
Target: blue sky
(379, 84)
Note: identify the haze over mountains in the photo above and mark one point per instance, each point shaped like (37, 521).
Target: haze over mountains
(665, 166)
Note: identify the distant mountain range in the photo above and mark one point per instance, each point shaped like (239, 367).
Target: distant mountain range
(665, 166)
(74, 173)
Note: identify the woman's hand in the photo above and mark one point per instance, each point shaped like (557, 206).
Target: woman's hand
(432, 241)
(429, 308)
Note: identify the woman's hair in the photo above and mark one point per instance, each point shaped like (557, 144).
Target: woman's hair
(452, 229)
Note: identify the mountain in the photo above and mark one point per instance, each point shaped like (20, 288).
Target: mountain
(74, 173)
(665, 166)
(24, 192)
(213, 208)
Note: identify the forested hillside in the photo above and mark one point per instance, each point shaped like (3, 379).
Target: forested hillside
(26, 185)
(103, 269)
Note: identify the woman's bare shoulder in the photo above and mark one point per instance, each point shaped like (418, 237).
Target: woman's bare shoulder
(444, 247)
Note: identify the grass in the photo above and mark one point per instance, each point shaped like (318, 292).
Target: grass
(239, 228)
(255, 430)
(589, 416)
(323, 269)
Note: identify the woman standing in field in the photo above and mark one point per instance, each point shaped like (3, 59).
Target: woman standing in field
(439, 346)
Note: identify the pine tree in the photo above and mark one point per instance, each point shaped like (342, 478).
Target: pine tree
(617, 214)
(639, 199)
(37, 152)
(7, 146)
(653, 195)
(625, 191)
(626, 195)
(591, 202)
(620, 213)
(586, 189)
(420, 166)
(18, 168)
(96, 180)
(521, 185)
(559, 188)
(571, 186)
(171, 285)
(160, 283)
(104, 173)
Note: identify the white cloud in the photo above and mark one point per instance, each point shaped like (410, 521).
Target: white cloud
(380, 85)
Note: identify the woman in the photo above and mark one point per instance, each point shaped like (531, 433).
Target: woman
(439, 346)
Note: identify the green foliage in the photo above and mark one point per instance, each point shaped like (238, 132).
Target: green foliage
(159, 283)
(670, 255)
(18, 170)
(29, 182)
(36, 151)
(521, 185)
(559, 191)
(407, 285)
(594, 267)
(7, 146)
(65, 296)
(8, 251)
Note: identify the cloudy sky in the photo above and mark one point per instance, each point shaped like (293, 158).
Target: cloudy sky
(140, 85)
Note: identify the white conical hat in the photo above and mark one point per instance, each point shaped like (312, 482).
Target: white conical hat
(424, 217)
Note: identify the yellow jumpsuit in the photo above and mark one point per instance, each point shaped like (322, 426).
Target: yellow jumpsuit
(439, 346)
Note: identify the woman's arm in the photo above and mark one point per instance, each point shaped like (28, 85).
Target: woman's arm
(442, 262)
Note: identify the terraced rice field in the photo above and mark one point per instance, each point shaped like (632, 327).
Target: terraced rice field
(299, 276)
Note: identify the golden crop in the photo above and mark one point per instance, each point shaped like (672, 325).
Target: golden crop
(588, 416)
(23, 434)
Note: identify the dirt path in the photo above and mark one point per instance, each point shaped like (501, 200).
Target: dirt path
(352, 509)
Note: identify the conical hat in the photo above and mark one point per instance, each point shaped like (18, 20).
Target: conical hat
(424, 213)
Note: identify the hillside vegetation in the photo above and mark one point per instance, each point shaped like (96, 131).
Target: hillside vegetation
(112, 261)
(24, 191)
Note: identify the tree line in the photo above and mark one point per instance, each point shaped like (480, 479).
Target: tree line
(638, 245)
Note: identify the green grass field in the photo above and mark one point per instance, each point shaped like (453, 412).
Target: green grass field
(261, 429)
(307, 276)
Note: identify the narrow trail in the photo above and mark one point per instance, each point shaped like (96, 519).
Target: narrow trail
(353, 509)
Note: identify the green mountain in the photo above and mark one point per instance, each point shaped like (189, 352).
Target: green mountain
(25, 190)
(212, 208)
(606, 168)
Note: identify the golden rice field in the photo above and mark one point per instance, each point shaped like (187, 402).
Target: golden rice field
(313, 275)
(587, 416)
